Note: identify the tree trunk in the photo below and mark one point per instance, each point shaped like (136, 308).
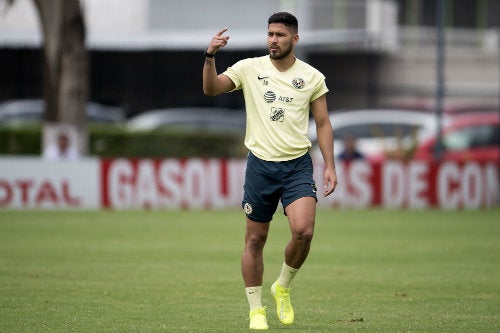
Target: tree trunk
(65, 79)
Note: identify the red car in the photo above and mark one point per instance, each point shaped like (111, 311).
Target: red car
(466, 137)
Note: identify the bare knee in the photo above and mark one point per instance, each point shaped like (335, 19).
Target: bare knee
(303, 235)
(255, 241)
(301, 216)
(255, 236)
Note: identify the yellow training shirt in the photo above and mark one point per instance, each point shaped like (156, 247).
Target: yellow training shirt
(277, 105)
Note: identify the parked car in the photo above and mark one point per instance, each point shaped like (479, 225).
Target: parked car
(192, 119)
(449, 108)
(375, 130)
(467, 137)
(22, 112)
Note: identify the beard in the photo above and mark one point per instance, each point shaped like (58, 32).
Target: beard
(281, 55)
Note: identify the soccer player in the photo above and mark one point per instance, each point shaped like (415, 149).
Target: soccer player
(280, 91)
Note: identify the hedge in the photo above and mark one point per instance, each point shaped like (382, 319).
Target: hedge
(118, 142)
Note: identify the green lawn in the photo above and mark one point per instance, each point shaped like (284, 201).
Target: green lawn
(179, 271)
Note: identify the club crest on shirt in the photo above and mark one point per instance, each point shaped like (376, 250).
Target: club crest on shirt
(298, 83)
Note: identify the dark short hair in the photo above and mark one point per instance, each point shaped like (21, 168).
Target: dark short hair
(285, 18)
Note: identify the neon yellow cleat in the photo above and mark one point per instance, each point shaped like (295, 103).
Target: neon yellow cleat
(258, 320)
(284, 309)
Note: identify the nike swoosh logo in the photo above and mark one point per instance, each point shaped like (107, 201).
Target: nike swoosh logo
(262, 77)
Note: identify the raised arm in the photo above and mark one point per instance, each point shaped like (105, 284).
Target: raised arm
(324, 132)
(214, 84)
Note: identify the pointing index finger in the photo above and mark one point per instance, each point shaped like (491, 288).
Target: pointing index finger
(222, 31)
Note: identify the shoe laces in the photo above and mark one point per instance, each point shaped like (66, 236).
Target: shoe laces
(282, 291)
(261, 311)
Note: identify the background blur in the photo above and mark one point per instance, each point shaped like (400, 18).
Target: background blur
(121, 82)
(144, 57)
(146, 54)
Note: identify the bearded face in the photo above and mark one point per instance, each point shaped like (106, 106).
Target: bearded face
(280, 41)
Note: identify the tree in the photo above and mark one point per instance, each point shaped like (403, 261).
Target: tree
(65, 68)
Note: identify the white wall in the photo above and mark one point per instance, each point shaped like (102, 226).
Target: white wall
(189, 24)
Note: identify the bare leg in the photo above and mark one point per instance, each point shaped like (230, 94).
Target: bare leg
(301, 216)
(252, 262)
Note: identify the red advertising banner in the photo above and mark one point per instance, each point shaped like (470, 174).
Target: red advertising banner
(194, 183)
(172, 183)
(415, 185)
(214, 183)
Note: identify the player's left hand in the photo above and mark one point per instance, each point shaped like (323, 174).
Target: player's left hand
(330, 181)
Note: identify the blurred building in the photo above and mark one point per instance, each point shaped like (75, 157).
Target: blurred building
(472, 71)
(148, 53)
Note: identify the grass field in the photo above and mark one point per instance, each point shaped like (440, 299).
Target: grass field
(179, 271)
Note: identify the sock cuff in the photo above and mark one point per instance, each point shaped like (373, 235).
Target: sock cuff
(251, 290)
(254, 297)
(287, 275)
(291, 269)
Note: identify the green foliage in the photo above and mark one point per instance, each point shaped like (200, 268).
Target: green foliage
(179, 271)
(109, 141)
(20, 141)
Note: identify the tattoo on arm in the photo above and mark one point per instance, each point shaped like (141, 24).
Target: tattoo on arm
(208, 62)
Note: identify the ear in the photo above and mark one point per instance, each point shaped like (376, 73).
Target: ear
(295, 39)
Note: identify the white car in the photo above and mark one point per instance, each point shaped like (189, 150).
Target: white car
(30, 111)
(375, 130)
(190, 119)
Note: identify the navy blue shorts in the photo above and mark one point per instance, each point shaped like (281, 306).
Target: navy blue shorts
(266, 183)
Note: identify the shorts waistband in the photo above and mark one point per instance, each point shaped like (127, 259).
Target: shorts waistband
(286, 161)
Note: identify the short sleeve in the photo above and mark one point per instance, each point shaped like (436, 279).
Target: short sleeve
(233, 73)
